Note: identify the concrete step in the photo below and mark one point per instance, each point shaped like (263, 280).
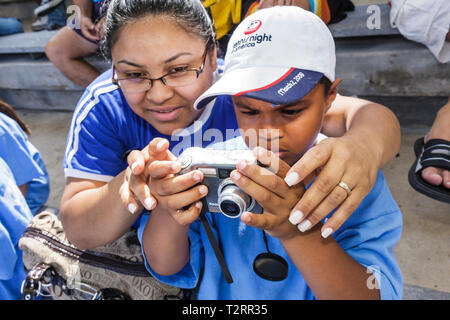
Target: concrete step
(22, 9)
(365, 21)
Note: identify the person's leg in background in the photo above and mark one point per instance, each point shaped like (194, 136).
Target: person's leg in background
(66, 50)
(10, 26)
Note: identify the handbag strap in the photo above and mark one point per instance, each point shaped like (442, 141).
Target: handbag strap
(32, 285)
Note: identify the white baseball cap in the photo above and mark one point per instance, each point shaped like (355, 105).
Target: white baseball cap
(276, 55)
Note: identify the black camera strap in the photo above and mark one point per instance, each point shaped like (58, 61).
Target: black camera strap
(214, 243)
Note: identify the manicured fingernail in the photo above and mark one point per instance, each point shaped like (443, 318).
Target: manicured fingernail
(132, 208)
(295, 217)
(149, 202)
(198, 204)
(203, 190)
(242, 165)
(260, 152)
(235, 175)
(246, 218)
(160, 144)
(305, 225)
(197, 176)
(291, 179)
(175, 166)
(133, 165)
(326, 232)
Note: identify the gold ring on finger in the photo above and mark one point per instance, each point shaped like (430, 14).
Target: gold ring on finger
(344, 186)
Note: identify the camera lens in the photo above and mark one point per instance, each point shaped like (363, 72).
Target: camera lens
(232, 200)
(230, 208)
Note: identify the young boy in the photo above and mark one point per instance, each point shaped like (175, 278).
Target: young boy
(280, 70)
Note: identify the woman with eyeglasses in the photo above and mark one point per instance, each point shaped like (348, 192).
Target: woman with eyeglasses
(163, 56)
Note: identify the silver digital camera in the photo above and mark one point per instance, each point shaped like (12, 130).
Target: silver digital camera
(224, 196)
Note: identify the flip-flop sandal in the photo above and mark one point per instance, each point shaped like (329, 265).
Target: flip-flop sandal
(434, 153)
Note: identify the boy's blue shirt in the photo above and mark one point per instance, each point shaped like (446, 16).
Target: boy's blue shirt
(25, 162)
(369, 236)
(14, 217)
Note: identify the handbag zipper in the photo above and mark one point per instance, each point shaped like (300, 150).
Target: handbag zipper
(113, 264)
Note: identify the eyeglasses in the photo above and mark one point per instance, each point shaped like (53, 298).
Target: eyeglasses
(176, 78)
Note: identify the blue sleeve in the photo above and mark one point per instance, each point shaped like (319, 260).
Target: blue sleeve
(94, 149)
(8, 254)
(17, 152)
(189, 276)
(370, 235)
(14, 217)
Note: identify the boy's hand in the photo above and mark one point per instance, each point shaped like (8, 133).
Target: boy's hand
(177, 195)
(270, 191)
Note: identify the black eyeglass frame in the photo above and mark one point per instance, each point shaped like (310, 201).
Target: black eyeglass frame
(197, 70)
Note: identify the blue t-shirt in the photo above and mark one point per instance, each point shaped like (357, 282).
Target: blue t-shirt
(369, 236)
(14, 217)
(24, 161)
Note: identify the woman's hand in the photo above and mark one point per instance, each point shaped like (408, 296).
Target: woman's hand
(135, 191)
(332, 161)
(270, 191)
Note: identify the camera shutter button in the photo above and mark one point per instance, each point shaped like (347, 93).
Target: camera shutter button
(184, 161)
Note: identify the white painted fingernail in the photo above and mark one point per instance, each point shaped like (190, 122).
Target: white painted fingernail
(295, 217)
(203, 190)
(292, 179)
(326, 232)
(235, 175)
(175, 166)
(160, 144)
(241, 165)
(149, 202)
(305, 225)
(197, 176)
(133, 165)
(132, 208)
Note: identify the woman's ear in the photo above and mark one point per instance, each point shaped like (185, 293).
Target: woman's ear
(332, 92)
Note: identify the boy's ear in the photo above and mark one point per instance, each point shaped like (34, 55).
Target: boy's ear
(332, 92)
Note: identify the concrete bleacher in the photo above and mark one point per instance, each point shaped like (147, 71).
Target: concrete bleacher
(374, 63)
